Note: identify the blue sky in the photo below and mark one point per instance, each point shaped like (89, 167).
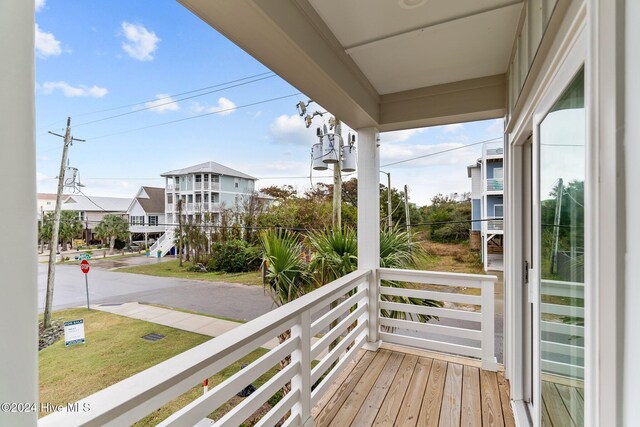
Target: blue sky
(97, 55)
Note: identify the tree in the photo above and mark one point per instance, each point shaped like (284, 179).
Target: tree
(452, 215)
(112, 227)
(252, 207)
(281, 193)
(70, 228)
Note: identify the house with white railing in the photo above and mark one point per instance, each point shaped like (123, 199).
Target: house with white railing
(146, 214)
(487, 204)
(204, 190)
(561, 74)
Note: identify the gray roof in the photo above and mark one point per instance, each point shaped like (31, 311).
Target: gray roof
(96, 204)
(209, 167)
(154, 203)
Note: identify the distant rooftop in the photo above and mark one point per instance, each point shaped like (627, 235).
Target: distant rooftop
(209, 167)
(108, 204)
(151, 199)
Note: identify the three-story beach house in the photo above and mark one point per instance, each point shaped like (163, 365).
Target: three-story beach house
(203, 189)
(487, 205)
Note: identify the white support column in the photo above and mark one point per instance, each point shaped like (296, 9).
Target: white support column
(18, 288)
(369, 222)
(631, 391)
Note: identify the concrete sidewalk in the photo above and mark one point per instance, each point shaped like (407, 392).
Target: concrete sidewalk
(196, 323)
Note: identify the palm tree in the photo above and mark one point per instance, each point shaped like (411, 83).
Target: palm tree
(112, 227)
(287, 276)
(336, 254)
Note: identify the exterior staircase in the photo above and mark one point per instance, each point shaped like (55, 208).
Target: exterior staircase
(164, 243)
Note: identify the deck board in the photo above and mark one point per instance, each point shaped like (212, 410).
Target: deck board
(558, 414)
(396, 388)
(471, 406)
(391, 406)
(410, 409)
(356, 398)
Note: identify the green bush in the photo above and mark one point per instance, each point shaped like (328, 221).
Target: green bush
(234, 256)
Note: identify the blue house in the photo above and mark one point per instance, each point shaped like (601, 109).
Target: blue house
(487, 205)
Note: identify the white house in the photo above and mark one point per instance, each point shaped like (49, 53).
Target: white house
(205, 188)
(91, 210)
(487, 204)
(146, 214)
(562, 75)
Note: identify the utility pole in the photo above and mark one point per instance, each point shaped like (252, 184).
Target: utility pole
(41, 228)
(337, 180)
(556, 225)
(406, 209)
(55, 227)
(389, 207)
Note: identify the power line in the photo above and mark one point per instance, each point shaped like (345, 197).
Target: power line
(438, 152)
(172, 101)
(196, 116)
(168, 96)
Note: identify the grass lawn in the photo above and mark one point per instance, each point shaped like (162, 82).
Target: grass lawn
(96, 257)
(171, 269)
(115, 351)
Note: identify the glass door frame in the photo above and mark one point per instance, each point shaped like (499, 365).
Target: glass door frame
(573, 62)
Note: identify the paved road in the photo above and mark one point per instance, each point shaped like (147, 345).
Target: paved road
(228, 300)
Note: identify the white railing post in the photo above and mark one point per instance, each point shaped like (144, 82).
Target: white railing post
(489, 362)
(302, 356)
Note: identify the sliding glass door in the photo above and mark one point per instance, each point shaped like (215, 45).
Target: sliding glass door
(559, 235)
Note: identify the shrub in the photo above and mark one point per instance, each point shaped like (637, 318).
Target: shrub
(234, 256)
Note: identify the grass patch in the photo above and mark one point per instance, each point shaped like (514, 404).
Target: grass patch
(114, 351)
(96, 258)
(172, 269)
(450, 257)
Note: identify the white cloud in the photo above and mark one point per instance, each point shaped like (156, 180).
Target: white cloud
(40, 4)
(224, 108)
(291, 130)
(141, 43)
(452, 128)
(400, 135)
(46, 44)
(74, 91)
(162, 104)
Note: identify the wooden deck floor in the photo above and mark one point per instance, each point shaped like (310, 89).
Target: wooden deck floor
(394, 387)
(563, 404)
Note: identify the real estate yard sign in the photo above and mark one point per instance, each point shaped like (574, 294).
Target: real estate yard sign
(74, 332)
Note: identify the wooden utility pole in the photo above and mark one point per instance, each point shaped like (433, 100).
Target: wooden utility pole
(556, 226)
(53, 246)
(406, 209)
(389, 208)
(337, 179)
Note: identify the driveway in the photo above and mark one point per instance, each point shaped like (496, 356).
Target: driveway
(235, 301)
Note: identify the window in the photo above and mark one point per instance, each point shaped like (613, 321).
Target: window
(198, 198)
(170, 198)
(498, 173)
(198, 178)
(215, 178)
(498, 211)
(206, 197)
(190, 198)
(153, 220)
(136, 220)
(215, 197)
(206, 178)
(236, 182)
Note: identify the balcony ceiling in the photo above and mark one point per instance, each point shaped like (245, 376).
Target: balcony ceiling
(387, 63)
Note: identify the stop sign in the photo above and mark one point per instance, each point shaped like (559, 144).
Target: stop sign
(84, 266)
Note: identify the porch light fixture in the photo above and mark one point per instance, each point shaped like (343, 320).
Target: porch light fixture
(411, 4)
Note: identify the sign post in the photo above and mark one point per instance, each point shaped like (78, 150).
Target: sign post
(84, 266)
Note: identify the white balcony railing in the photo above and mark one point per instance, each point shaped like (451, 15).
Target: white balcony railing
(495, 225)
(494, 184)
(337, 314)
(459, 330)
(169, 207)
(197, 186)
